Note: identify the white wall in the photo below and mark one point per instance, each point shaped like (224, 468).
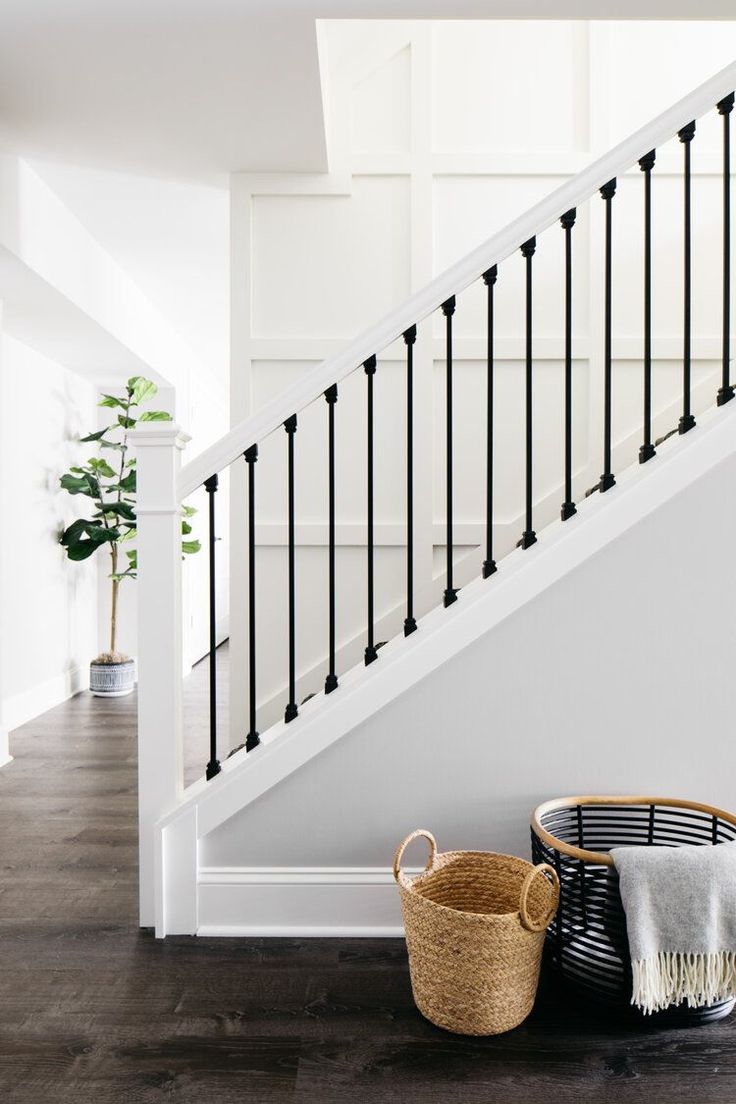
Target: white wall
(49, 605)
(615, 679)
(171, 240)
(438, 138)
(109, 275)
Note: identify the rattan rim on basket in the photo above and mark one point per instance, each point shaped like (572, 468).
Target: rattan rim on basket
(601, 857)
(527, 921)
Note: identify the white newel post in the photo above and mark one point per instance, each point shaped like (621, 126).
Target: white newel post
(158, 448)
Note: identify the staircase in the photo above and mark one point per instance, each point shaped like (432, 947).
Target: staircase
(186, 887)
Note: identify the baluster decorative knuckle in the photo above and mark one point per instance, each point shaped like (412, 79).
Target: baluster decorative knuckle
(251, 454)
(608, 190)
(211, 484)
(568, 219)
(687, 133)
(331, 394)
(529, 247)
(646, 163)
(290, 424)
(448, 307)
(370, 366)
(725, 106)
(410, 335)
(490, 277)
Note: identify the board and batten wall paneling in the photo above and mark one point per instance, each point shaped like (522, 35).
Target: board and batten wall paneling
(437, 139)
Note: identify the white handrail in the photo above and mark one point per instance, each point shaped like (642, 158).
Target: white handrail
(456, 278)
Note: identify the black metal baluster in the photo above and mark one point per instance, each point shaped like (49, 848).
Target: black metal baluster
(529, 537)
(410, 623)
(647, 450)
(559, 936)
(292, 709)
(489, 564)
(213, 767)
(608, 191)
(252, 740)
(370, 652)
(581, 868)
(687, 421)
(568, 506)
(726, 391)
(448, 309)
(331, 397)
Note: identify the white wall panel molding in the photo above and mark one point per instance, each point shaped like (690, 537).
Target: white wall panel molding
(457, 179)
(666, 346)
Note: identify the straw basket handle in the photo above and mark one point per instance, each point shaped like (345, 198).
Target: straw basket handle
(538, 924)
(399, 875)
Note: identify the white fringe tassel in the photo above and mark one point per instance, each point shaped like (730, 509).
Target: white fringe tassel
(669, 978)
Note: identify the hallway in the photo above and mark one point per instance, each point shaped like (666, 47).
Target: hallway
(92, 1009)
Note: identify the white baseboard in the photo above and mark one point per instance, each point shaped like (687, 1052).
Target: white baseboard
(20, 708)
(303, 902)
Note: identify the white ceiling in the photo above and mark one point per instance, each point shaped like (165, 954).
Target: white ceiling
(193, 89)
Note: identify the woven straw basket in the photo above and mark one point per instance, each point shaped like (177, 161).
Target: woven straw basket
(475, 924)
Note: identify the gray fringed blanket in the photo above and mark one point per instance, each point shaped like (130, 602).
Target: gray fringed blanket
(680, 905)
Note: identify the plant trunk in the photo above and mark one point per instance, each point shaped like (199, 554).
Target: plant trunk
(114, 605)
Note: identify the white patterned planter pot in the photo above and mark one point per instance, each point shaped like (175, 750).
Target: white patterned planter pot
(112, 680)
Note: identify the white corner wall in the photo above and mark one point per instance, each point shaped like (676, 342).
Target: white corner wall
(615, 679)
(437, 139)
(48, 604)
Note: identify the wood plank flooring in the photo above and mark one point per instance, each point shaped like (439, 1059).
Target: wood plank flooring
(94, 1010)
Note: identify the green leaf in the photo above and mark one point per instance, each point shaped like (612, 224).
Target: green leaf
(141, 389)
(113, 445)
(188, 511)
(129, 534)
(81, 484)
(190, 547)
(126, 423)
(126, 484)
(130, 463)
(186, 528)
(154, 416)
(77, 529)
(111, 400)
(119, 509)
(82, 538)
(95, 436)
(101, 467)
(132, 559)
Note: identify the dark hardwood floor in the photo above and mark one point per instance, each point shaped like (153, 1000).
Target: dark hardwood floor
(94, 1010)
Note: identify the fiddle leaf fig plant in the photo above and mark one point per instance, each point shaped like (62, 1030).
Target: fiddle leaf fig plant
(108, 480)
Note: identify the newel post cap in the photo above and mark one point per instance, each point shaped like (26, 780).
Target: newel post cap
(149, 434)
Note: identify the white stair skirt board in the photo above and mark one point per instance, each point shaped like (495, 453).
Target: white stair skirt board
(303, 902)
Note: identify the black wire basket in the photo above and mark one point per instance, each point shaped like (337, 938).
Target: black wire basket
(586, 943)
